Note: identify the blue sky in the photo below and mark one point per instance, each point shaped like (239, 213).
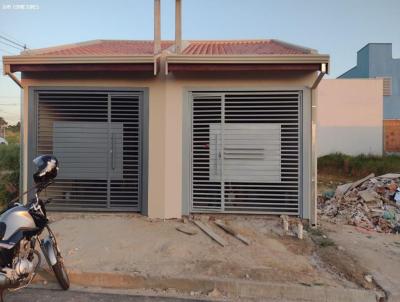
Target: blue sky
(335, 27)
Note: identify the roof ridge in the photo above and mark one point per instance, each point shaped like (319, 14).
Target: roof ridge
(62, 46)
(230, 40)
(129, 40)
(193, 47)
(69, 46)
(296, 46)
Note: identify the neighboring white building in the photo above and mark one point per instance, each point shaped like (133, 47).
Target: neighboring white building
(3, 141)
(350, 116)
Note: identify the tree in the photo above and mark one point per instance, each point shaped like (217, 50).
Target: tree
(3, 122)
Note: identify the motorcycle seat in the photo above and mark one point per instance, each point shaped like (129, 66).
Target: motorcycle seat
(2, 229)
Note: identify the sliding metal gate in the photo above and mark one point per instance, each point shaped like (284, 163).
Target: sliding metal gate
(246, 152)
(97, 139)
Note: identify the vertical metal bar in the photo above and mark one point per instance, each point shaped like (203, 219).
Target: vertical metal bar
(109, 150)
(300, 153)
(222, 152)
(217, 155)
(112, 150)
(33, 145)
(36, 138)
(191, 151)
(314, 146)
(140, 148)
(21, 142)
(191, 108)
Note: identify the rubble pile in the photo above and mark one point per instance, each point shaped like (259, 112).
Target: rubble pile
(372, 203)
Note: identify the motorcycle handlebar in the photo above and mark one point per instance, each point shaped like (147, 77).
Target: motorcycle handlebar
(47, 201)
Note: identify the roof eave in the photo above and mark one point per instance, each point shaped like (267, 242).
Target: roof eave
(138, 59)
(9, 61)
(247, 59)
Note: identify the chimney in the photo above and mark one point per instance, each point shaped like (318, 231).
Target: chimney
(178, 26)
(157, 27)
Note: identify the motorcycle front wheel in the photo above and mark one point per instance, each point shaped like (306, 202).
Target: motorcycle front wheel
(61, 273)
(59, 268)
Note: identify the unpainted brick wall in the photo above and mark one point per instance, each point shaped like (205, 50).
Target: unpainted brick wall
(392, 135)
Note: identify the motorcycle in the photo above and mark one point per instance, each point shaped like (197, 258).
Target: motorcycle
(21, 231)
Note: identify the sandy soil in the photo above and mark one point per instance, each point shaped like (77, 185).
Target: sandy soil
(138, 245)
(378, 253)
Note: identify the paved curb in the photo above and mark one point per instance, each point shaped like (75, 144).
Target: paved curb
(230, 287)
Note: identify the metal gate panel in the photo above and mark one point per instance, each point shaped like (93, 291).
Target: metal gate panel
(126, 192)
(81, 148)
(246, 152)
(250, 153)
(97, 137)
(206, 193)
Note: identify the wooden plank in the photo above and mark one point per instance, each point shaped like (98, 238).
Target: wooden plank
(206, 229)
(390, 175)
(359, 182)
(231, 231)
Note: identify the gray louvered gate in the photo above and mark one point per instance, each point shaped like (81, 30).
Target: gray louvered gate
(246, 152)
(97, 138)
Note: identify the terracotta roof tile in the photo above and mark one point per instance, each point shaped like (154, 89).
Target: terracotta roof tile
(132, 48)
(102, 48)
(256, 47)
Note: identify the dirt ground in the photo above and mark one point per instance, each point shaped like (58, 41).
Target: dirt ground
(366, 252)
(137, 245)
(377, 253)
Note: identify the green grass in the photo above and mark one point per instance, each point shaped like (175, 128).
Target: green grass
(12, 135)
(9, 173)
(319, 237)
(315, 231)
(358, 166)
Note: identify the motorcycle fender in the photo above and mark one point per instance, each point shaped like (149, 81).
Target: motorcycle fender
(49, 251)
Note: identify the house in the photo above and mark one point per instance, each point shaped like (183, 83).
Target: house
(375, 60)
(168, 128)
(3, 141)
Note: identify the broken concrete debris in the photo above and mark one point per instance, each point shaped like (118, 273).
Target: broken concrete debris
(397, 197)
(285, 222)
(299, 230)
(187, 229)
(369, 203)
(296, 226)
(368, 278)
(328, 194)
(215, 293)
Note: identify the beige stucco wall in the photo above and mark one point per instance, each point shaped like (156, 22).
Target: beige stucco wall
(166, 97)
(350, 116)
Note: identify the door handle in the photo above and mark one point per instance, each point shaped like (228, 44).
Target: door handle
(112, 151)
(243, 153)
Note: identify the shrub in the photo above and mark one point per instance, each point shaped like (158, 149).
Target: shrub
(358, 166)
(9, 173)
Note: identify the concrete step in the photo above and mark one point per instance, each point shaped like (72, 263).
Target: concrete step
(227, 287)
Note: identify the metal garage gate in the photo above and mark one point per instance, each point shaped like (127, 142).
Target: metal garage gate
(246, 152)
(97, 139)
